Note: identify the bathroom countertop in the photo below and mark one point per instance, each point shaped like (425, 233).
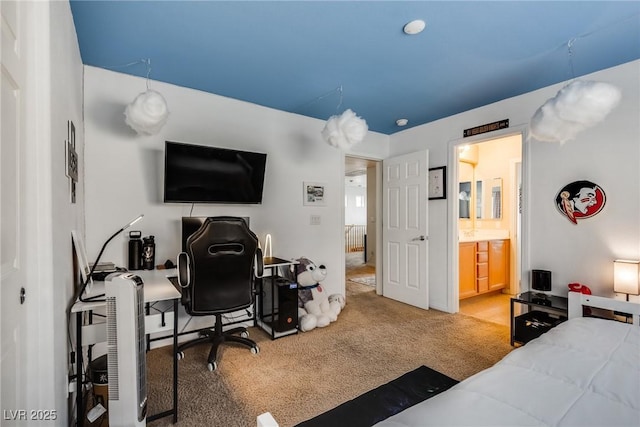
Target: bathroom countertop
(480, 235)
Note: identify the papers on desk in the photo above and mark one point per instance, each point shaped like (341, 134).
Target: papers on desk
(103, 266)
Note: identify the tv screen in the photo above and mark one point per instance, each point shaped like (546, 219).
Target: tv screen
(204, 174)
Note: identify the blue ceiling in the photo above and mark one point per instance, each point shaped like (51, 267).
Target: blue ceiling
(318, 58)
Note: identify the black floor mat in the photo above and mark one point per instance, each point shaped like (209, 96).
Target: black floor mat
(385, 401)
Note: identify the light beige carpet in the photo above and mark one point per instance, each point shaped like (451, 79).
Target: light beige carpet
(374, 340)
(365, 280)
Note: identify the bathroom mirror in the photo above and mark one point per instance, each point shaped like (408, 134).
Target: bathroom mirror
(477, 196)
(464, 200)
(479, 202)
(465, 178)
(482, 197)
(496, 198)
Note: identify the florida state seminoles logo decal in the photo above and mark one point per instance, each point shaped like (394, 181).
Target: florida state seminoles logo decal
(580, 200)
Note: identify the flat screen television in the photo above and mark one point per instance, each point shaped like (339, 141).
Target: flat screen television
(205, 174)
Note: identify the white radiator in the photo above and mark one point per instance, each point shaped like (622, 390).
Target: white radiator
(126, 358)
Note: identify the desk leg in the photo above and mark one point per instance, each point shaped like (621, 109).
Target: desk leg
(175, 361)
(513, 321)
(147, 336)
(79, 409)
(259, 300)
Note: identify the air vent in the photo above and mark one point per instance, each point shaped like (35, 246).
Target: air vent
(112, 349)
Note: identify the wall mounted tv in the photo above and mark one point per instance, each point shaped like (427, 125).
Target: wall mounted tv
(205, 174)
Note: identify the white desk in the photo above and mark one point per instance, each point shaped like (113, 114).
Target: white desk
(157, 287)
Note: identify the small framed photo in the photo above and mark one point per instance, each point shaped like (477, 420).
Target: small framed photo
(438, 183)
(314, 194)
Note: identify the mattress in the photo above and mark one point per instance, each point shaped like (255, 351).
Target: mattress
(584, 372)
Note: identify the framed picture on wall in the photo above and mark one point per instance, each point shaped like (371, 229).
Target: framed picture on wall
(314, 194)
(438, 183)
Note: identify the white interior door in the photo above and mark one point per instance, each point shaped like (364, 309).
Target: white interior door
(405, 229)
(13, 369)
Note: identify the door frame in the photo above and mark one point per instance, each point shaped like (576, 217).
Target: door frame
(39, 385)
(453, 301)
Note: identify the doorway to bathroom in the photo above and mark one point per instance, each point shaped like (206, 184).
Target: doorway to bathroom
(488, 218)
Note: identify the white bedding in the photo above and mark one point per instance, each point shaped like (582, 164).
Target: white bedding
(584, 372)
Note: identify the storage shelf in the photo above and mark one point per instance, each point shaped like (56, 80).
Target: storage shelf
(544, 312)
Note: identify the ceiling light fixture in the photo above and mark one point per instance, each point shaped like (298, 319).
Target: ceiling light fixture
(402, 122)
(148, 112)
(414, 27)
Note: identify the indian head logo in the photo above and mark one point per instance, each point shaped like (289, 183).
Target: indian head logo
(580, 200)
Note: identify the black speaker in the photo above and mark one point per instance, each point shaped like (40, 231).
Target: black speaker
(541, 280)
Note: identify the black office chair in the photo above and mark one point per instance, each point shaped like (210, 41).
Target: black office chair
(217, 274)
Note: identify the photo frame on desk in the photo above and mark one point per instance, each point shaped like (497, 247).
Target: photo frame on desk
(438, 183)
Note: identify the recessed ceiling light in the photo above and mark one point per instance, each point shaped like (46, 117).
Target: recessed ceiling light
(402, 122)
(414, 27)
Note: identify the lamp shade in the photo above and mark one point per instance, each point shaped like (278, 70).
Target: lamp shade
(626, 276)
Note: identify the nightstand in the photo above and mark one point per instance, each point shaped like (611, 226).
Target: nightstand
(543, 312)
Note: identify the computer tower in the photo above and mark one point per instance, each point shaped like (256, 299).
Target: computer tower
(280, 303)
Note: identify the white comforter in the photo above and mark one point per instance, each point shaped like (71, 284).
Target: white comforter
(584, 372)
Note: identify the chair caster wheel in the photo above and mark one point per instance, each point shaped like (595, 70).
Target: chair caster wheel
(180, 355)
(244, 334)
(255, 350)
(212, 366)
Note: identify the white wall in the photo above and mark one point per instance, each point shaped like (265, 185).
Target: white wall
(124, 171)
(607, 154)
(66, 104)
(55, 84)
(352, 213)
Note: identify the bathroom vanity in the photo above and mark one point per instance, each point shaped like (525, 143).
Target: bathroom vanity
(483, 266)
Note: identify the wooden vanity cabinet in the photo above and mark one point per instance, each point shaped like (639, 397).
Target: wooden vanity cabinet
(483, 267)
(467, 270)
(498, 264)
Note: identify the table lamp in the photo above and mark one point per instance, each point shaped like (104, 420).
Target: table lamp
(626, 277)
(84, 285)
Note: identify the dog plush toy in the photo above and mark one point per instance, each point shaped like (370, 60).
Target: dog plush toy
(315, 308)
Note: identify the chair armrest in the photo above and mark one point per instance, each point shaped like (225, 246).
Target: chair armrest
(184, 270)
(259, 263)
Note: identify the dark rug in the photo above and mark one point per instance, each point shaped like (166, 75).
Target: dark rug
(385, 401)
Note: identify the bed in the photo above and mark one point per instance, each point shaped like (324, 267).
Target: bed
(584, 372)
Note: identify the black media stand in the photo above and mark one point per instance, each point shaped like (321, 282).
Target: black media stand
(543, 313)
